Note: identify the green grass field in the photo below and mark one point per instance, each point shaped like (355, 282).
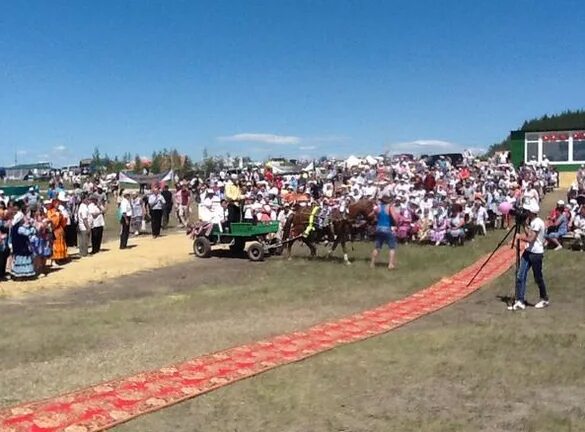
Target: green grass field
(471, 367)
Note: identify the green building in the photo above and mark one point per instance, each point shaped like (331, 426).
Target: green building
(564, 149)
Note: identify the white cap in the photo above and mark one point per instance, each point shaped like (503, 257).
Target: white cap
(560, 203)
(1, 192)
(532, 207)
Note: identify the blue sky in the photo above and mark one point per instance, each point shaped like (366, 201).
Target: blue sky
(275, 77)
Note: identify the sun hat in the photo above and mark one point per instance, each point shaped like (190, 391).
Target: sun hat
(62, 196)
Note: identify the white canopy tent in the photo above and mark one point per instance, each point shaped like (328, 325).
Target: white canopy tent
(352, 161)
(144, 179)
(371, 160)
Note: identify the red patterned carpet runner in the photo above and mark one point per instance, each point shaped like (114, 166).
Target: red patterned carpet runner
(106, 405)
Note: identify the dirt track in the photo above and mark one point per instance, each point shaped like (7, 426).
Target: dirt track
(144, 254)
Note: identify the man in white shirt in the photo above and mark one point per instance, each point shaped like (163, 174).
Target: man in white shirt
(96, 212)
(156, 202)
(531, 258)
(125, 216)
(83, 226)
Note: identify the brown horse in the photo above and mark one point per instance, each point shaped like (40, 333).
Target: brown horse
(338, 231)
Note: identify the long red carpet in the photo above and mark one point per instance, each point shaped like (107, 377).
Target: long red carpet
(105, 405)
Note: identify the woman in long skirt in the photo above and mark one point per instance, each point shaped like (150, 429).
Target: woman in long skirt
(58, 223)
(22, 262)
(41, 243)
(439, 230)
(137, 214)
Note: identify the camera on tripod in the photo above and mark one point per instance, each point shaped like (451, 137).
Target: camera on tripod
(520, 215)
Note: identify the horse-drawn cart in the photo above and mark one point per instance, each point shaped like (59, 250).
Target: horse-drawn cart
(236, 236)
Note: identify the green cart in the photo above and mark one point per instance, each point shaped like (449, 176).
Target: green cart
(237, 235)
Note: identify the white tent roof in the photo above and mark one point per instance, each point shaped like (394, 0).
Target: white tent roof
(352, 161)
(371, 160)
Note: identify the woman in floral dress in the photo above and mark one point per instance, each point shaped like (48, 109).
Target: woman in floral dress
(20, 234)
(41, 243)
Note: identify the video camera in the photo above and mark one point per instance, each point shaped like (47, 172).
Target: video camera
(520, 215)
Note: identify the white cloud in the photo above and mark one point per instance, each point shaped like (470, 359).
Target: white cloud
(60, 148)
(327, 139)
(426, 146)
(431, 146)
(261, 138)
(309, 147)
(429, 143)
(22, 152)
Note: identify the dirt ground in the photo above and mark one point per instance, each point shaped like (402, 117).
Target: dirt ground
(472, 366)
(144, 254)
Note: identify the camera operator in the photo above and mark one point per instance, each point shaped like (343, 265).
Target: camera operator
(534, 231)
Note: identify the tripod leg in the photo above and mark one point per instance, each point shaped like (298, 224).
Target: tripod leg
(513, 229)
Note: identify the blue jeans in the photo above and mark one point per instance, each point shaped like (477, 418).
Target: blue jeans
(534, 261)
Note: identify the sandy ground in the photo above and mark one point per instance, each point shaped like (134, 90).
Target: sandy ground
(144, 253)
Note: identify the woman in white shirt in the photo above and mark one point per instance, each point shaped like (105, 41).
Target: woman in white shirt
(137, 214)
(530, 196)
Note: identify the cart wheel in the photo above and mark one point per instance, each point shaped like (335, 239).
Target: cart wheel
(256, 252)
(238, 246)
(202, 247)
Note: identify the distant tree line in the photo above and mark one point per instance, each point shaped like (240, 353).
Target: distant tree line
(566, 120)
(164, 160)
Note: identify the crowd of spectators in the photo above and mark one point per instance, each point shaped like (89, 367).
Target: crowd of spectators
(440, 203)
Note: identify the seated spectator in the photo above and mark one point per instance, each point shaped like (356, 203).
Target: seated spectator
(578, 226)
(456, 233)
(559, 227)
